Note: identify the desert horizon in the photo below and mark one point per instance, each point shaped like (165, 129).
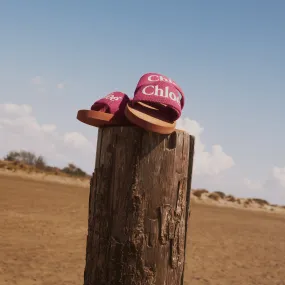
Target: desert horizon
(75, 176)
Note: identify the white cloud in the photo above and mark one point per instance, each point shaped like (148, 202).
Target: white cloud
(279, 175)
(60, 85)
(77, 140)
(48, 128)
(16, 109)
(205, 162)
(19, 129)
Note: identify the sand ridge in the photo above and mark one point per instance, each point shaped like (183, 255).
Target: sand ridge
(197, 195)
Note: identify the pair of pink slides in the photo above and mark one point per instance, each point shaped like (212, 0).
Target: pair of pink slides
(156, 106)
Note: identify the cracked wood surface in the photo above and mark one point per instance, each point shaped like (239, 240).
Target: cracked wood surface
(139, 207)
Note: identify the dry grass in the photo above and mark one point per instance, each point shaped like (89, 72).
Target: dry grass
(43, 229)
(19, 166)
(261, 202)
(16, 166)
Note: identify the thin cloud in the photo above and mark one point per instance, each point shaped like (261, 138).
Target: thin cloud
(279, 175)
(37, 80)
(60, 85)
(253, 185)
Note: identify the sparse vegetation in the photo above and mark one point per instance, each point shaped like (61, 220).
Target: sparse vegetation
(26, 157)
(230, 198)
(221, 194)
(214, 196)
(72, 170)
(199, 192)
(247, 202)
(261, 202)
(218, 195)
(29, 162)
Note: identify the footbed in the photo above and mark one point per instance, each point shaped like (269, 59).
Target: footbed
(149, 118)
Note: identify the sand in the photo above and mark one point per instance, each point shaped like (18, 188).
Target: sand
(43, 228)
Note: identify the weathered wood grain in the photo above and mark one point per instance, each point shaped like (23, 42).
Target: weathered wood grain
(139, 207)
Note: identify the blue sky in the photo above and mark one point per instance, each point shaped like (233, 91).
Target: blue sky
(228, 57)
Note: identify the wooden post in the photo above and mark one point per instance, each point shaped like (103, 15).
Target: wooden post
(139, 207)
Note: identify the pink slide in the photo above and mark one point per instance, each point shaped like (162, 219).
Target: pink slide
(157, 104)
(106, 111)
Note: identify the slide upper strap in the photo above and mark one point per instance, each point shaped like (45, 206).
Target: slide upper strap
(162, 93)
(114, 103)
(152, 78)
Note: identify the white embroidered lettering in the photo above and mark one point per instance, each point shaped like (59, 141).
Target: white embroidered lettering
(153, 78)
(111, 97)
(144, 91)
(166, 92)
(178, 99)
(158, 91)
(172, 96)
(162, 92)
(161, 78)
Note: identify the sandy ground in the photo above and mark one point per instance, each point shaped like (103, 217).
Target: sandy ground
(43, 233)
